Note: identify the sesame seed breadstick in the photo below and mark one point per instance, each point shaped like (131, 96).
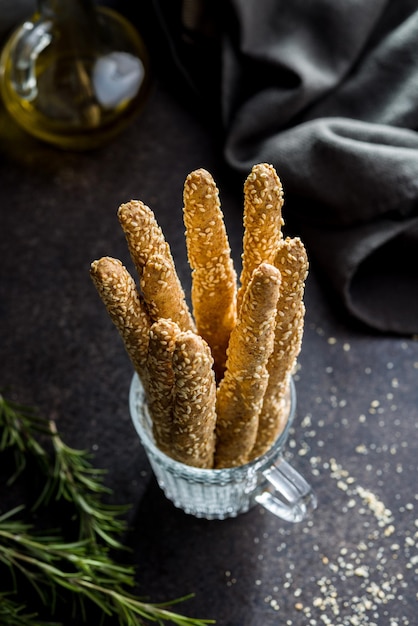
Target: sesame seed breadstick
(213, 275)
(241, 391)
(292, 261)
(163, 293)
(163, 334)
(143, 234)
(147, 245)
(263, 201)
(194, 414)
(126, 309)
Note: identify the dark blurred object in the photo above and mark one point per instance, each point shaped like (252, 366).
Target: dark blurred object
(184, 41)
(74, 75)
(12, 13)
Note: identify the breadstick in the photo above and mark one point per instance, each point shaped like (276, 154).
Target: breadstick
(147, 245)
(241, 391)
(292, 261)
(213, 275)
(143, 234)
(263, 201)
(163, 293)
(194, 412)
(163, 334)
(126, 309)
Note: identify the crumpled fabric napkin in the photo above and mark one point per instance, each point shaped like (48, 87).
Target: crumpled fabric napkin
(327, 91)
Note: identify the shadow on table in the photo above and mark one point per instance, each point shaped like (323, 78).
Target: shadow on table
(177, 554)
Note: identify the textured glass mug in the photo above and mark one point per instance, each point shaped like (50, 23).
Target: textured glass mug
(220, 493)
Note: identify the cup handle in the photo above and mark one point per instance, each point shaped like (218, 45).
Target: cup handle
(292, 499)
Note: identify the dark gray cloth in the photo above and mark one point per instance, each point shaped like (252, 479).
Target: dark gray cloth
(327, 91)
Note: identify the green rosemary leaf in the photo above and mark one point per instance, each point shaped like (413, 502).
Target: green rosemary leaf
(74, 479)
(13, 613)
(18, 425)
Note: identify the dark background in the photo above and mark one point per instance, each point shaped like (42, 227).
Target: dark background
(355, 435)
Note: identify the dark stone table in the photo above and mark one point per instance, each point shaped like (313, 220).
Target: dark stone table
(355, 561)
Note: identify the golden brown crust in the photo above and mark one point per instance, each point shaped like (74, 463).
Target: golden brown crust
(263, 201)
(240, 394)
(163, 293)
(151, 253)
(125, 307)
(213, 276)
(194, 407)
(143, 234)
(292, 261)
(163, 334)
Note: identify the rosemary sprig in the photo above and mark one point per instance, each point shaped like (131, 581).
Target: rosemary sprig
(45, 559)
(75, 480)
(50, 564)
(18, 425)
(70, 476)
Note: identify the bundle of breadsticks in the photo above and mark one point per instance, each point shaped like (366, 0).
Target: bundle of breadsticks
(215, 375)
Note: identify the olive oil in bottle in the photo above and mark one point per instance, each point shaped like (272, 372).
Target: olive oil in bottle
(74, 75)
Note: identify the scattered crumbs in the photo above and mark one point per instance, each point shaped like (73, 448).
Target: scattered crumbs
(332, 341)
(307, 421)
(362, 571)
(374, 567)
(363, 560)
(346, 347)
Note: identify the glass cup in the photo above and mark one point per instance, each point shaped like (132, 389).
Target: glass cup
(268, 480)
